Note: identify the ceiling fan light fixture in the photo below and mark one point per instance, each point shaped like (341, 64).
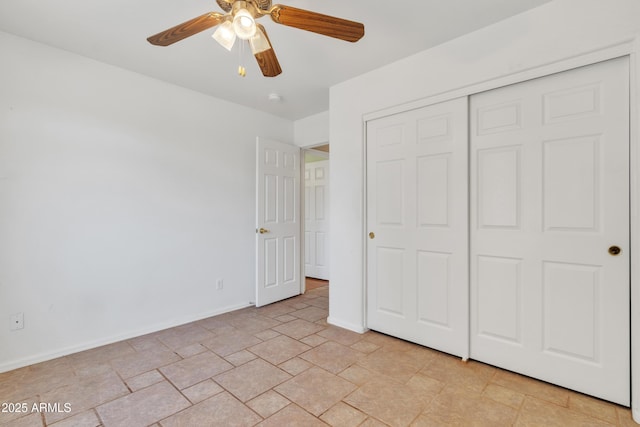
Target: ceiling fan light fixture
(259, 42)
(244, 24)
(225, 35)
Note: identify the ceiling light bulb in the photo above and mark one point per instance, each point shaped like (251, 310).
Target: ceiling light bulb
(244, 24)
(225, 35)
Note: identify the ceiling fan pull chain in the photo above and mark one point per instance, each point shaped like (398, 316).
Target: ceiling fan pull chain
(242, 72)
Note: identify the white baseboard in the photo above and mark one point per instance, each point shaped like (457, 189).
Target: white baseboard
(346, 325)
(43, 357)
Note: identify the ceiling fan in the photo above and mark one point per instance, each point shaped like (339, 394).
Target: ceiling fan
(240, 21)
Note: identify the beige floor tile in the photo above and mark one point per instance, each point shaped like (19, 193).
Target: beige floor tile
(372, 422)
(84, 395)
(341, 336)
(37, 379)
(240, 358)
(456, 373)
(391, 402)
(343, 415)
(143, 407)
(193, 370)
(464, 406)
(313, 340)
(202, 391)
(191, 350)
(267, 335)
(320, 302)
(147, 342)
(299, 305)
(386, 341)
(395, 364)
(251, 379)
(219, 410)
(230, 342)
(83, 419)
(295, 366)
(89, 369)
(315, 390)
(236, 315)
(298, 328)
(358, 375)
(311, 313)
(96, 361)
(593, 407)
(21, 408)
(144, 380)
(424, 420)
(536, 412)
(275, 310)
(531, 387)
(216, 325)
(380, 378)
(365, 346)
(254, 324)
(56, 367)
(625, 418)
(279, 349)
(292, 416)
(268, 403)
(332, 356)
(504, 395)
(31, 420)
(424, 387)
(137, 363)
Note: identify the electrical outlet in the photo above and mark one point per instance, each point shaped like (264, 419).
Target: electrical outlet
(17, 321)
(219, 284)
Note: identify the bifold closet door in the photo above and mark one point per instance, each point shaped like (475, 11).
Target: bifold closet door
(417, 243)
(550, 229)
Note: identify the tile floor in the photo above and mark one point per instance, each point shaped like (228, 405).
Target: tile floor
(282, 365)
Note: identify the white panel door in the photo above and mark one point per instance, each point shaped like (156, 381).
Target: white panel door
(316, 222)
(277, 221)
(549, 198)
(417, 219)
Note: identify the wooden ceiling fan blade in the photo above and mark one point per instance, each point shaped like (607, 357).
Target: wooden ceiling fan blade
(326, 25)
(267, 59)
(186, 29)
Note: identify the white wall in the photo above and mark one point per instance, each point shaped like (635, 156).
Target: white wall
(311, 131)
(122, 200)
(555, 31)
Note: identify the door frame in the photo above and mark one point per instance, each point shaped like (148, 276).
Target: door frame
(319, 153)
(326, 156)
(630, 47)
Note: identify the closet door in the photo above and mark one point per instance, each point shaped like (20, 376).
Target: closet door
(550, 229)
(316, 222)
(417, 243)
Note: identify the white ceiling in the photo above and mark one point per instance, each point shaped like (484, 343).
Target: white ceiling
(115, 32)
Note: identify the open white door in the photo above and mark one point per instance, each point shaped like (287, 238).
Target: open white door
(316, 220)
(277, 221)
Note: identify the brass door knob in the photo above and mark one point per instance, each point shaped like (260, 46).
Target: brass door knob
(263, 230)
(614, 250)
(372, 235)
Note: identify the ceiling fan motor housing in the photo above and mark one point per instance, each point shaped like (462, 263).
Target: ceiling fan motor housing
(227, 5)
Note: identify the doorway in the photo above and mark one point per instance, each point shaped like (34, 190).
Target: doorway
(316, 213)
